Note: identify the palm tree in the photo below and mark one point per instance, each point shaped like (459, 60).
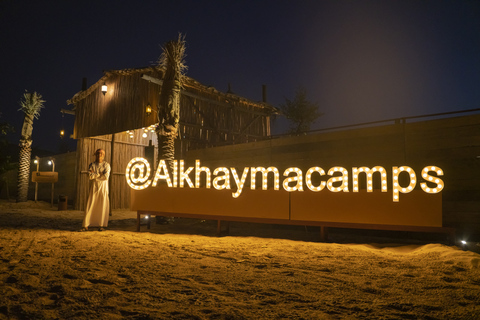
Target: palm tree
(30, 105)
(172, 60)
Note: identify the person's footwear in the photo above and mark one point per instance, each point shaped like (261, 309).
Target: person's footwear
(101, 229)
(83, 229)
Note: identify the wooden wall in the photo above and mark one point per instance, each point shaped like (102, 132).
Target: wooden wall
(124, 149)
(207, 117)
(452, 144)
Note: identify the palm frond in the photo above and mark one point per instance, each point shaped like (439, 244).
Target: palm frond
(31, 104)
(173, 58)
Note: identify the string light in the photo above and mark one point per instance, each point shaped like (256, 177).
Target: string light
(184, 175)
(199, 170)
(138, 172)
(240, 182)
(276, 175)
(142, 167)
(343, 179)
(162, 174)
(369, 174)
(432, 179)
(225, 178)
(298, 178)
(397, 189)
(308, 178)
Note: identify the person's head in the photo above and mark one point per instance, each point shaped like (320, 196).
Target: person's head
(99, 155)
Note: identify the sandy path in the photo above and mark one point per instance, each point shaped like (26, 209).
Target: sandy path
(182, 271)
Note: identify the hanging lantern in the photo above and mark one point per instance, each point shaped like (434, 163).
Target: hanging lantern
(104, 88)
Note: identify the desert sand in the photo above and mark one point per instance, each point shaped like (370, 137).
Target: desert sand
(49, 270)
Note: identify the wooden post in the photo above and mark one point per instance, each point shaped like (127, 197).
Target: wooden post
(112, 152)
(323, 233)
(36, 183)
(139, 216)
(53, 184)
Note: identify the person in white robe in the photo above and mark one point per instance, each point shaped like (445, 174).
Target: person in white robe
(98, 204)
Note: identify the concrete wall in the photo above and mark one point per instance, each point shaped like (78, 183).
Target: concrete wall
(65, 166)
(453, 144)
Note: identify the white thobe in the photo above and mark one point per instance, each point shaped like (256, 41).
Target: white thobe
(98, 204)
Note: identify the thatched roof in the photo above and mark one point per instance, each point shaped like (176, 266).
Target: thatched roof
(207, 116)
(189, 83)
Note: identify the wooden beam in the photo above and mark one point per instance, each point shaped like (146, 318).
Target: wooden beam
(249, 124)
(194, 125)
(72, 112)
(212, 101)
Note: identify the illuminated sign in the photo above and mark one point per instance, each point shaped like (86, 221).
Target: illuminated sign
(48, 176)
(138, 174)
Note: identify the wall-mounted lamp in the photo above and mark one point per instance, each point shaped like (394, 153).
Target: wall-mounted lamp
(62, 133)
(148, 110)
(104, 88)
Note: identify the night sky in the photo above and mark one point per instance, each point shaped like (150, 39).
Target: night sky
(359, 60)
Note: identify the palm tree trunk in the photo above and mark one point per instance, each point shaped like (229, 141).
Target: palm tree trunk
(24, 159)
(169, 113)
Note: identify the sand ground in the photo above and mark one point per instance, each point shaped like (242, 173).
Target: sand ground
(49, 270)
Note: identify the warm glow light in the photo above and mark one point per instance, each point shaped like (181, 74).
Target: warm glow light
(239, 182)
(199, 170)
(432, 179)
(137, 173)
(148, 110)
(298, 178)
(62, 133)
(253, 174)
(397, 189)
(184, 175)
(162, 174)
(308, 178)
(343, 179)
(369, 174)
(223, 181)
(104, 88)
(175, 174)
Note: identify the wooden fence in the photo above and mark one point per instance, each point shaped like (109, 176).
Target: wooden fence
(123, 148)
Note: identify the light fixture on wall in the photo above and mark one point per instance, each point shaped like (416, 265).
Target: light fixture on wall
(104, 88)
(148, 110)
(62, 131)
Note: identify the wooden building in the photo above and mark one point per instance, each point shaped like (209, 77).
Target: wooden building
(121, 120)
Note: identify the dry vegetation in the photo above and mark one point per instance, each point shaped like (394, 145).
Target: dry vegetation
(48, 270)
